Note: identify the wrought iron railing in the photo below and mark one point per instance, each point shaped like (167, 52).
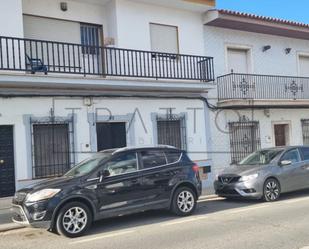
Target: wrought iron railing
(33, 56)
(254, 86)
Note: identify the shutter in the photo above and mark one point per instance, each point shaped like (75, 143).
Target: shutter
(304, 66)
(237, 60)
(164, 38)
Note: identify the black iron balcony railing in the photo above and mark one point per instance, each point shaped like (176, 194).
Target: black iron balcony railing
(18, 54)
(254, 86)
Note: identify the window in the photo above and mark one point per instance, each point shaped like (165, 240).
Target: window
(303, 66)
(126, 163)
(305, 153)
(171, 131)
(164, 38)
(153, 159)
(305, 130)
(261, 157)
(89, 164)
(172, 156)
(244, 139)
(90, 38)
(51, 153)
(237, 60)
(111, 135)
(292, 156)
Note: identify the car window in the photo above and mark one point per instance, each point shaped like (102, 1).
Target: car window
(291, 155)
(172, 156)
(153, 158)
(88, 165)
(125, 163)
(260, 157)
(305, 152)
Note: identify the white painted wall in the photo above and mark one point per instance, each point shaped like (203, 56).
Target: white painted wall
(293, 117)
(11, 23)
(13, 111)
(77, 11)
(133, 26)
(275, 62)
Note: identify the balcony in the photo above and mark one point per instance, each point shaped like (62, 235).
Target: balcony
(50, 57)
(262, 87)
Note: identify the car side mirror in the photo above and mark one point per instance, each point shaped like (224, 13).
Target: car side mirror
(285, 162)
(103, 173)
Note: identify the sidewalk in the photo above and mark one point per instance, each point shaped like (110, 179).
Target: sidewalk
(6, 223)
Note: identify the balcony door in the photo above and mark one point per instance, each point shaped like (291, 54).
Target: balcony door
(68, 46)
(238, 60)
(304, 65)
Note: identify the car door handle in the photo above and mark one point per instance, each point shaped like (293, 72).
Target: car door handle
(135, 181)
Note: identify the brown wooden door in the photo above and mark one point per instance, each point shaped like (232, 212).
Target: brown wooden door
(280, 134)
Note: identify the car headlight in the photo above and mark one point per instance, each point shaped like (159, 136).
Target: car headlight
(248, 178)
(42, 194)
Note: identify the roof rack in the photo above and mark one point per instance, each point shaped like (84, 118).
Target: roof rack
(144, 147)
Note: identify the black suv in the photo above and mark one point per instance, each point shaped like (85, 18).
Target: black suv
(110, 183)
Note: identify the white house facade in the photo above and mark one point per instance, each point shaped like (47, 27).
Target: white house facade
(262, 94)
(78, 77)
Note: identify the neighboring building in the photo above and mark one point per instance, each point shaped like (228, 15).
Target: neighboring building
(262, 66)
(80, 76)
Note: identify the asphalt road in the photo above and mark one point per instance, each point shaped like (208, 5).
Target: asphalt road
(218, 223)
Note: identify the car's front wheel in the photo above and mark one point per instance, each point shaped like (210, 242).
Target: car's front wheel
(184, 201)
(73, 219)
(271, 190)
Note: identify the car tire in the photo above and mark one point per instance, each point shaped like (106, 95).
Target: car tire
(73, 219)
(271, 190)
(184, 201)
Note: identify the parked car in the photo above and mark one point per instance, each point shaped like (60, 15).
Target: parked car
(111, 183)
(266, 174)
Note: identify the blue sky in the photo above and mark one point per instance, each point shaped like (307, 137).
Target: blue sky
(294, 10)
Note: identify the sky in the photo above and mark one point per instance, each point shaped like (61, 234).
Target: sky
(294, 10)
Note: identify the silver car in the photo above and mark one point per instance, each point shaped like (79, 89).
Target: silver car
(266, 174)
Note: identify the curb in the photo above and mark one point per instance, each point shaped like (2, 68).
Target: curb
(208, 196)
(9, 227)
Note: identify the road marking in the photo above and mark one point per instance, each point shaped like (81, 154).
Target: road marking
(109, 235)
(247, 209)
(184, 220)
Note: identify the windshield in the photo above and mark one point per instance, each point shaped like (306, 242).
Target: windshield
(260, 157)
(87, 165)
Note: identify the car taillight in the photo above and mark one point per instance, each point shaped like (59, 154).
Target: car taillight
(195, 168)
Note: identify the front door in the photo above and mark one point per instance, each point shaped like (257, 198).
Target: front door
(7, 172)
(281, 134)
(121, 190)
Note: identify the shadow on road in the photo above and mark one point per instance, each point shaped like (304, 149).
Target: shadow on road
(205, 207)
